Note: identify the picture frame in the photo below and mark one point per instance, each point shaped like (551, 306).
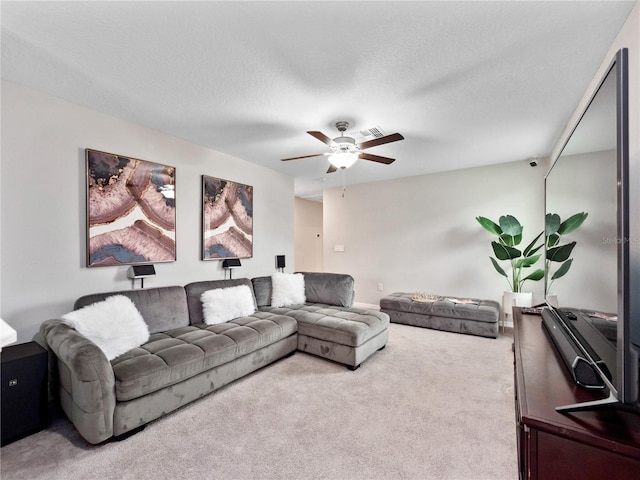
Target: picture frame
(227, 219)
(131, 210)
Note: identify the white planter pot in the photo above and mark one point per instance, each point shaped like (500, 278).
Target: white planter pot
(552, 299)
(512, 299)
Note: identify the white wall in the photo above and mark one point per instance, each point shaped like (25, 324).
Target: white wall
(628, 37)
(420, 233)
(308, 236)
(43, 206)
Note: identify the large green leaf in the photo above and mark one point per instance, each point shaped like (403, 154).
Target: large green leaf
(564, 268)
(553, 240)
(560, 254)
(571, 223)
(535, 276)
(489, 225)
(530, 250)
(509, 240)
(551, 223)
(498, 267)
(533, 252)
(504, 252)
(526, 262)
(510, 225)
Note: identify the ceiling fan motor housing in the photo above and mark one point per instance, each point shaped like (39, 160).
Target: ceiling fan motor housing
(342, 126)
(344, 144)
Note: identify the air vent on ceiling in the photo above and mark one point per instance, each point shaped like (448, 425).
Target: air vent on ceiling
(374, 132)
(367, 134)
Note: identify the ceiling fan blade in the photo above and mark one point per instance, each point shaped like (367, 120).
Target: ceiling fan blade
(394, 137)
(303, 156)
(376, 158)
(332, 168)
(322, 137)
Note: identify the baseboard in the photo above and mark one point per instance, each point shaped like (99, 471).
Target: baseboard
(366, 306)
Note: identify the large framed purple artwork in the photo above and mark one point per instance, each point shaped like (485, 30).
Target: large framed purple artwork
(227, 219)
(131, 210)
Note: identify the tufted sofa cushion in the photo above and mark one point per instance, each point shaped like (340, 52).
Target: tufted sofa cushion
(319, 287)
(329, 288)
(162, 308)
(175, 355)
(345, 326)
(195, 290)
(262, 291)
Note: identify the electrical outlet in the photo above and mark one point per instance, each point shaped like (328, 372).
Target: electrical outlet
(380, 287)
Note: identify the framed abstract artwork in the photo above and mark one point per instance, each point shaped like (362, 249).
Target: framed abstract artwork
(131, 210)
(227, 219)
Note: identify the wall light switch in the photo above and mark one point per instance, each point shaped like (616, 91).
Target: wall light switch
(380, 287)
(338, 248)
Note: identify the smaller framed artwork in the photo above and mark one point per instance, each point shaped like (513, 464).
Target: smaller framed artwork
(131, 210)
(227, 219)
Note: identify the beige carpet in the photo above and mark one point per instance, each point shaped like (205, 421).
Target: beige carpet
(432, 405)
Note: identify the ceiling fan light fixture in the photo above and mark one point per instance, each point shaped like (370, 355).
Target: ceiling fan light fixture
(343, 159)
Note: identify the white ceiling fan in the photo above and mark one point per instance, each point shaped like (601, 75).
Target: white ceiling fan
(345, 150)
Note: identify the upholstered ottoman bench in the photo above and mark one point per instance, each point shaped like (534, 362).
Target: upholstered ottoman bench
(470, 316)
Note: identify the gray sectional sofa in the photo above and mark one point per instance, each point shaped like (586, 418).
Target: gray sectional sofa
(185, 359)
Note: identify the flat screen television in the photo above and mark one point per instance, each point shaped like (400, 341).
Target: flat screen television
(595, 304)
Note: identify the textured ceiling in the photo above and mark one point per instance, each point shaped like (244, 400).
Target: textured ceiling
(466, 83)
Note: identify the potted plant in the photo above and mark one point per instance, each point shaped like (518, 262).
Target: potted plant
(505, 248)
(554, 229)
(509, 233)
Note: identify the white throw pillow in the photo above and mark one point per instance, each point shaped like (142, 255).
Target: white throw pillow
(223, 304)
(287, 289)
(114, 324)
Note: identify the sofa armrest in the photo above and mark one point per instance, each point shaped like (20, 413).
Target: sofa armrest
(85, 379)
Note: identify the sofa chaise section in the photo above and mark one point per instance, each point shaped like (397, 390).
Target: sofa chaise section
(340, 334)
(328, 325)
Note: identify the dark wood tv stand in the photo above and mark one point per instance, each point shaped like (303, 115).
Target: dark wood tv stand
(601, 444)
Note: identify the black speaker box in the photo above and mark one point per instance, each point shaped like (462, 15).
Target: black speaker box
(24, 390)
(140, 271)
(231, 263)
